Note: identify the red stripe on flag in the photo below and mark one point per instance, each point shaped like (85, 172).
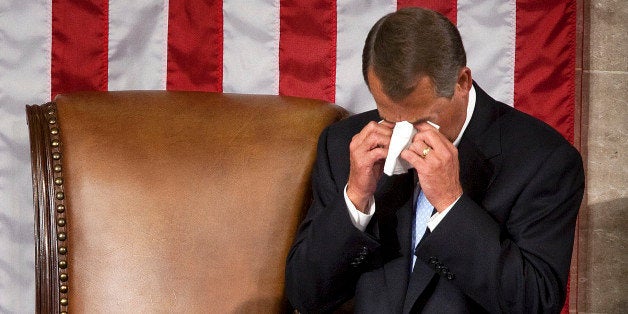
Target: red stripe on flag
(307, 49)
(446, 8)
(545, 66)
(545, 57)
(195, 45)
(79, 56)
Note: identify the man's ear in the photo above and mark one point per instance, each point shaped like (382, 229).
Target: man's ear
(464, 80)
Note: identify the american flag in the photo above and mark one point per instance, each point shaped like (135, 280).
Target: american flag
(522, 52)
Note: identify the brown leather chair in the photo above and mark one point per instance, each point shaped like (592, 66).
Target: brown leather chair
(169, 201)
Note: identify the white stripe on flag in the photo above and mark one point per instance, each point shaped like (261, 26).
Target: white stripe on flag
(25, 44)
(251, 46)
(137, 44)
(488, 32)
(355, 19)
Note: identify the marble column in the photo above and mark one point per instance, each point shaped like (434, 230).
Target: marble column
(602, 246)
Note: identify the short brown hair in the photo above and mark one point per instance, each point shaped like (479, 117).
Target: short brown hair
(410, 43)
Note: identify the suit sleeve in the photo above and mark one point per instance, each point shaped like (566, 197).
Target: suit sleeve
(329, 253)
(519, 265)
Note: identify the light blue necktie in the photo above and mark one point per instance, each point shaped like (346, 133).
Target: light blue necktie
(422, 215)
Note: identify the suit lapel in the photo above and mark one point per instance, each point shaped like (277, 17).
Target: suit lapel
(480, 147)
(476, 170)
(421, 277)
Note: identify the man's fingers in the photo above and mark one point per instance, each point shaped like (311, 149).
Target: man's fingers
(373, 135)
(372, 142)
(432, 138)
(368, 150)
(384, 128)
(413, 158)
(423, 156)
(387, 124)
(369, 131)
(371, 157)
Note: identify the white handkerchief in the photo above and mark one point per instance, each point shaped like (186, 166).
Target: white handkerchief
(400, 140)
(403, 132)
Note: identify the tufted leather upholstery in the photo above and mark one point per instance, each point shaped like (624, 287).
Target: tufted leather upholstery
(169, 201)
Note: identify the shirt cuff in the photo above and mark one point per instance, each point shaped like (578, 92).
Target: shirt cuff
(438, 217)
(359, 219)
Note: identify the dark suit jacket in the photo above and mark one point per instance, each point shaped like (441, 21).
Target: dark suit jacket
(504, 247)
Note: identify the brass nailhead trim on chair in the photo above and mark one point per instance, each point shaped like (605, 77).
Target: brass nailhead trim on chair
(59, 202)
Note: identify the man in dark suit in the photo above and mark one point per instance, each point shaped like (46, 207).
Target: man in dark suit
(484, 222)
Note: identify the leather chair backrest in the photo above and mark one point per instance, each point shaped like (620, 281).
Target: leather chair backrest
(169, 201)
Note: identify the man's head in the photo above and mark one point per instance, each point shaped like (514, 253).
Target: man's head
(414, 63)
(410, 43)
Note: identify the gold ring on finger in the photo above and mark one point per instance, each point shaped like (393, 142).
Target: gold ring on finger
(426, 151)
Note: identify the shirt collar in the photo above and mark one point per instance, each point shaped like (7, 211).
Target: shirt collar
(470, 108)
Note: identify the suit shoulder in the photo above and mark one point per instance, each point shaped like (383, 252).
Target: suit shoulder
(529, 142)
(345, 129)
(522, 128)
(515, 127)
(335, 138)
(356, 121)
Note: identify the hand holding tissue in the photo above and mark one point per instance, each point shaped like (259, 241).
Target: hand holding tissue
(403, 132)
